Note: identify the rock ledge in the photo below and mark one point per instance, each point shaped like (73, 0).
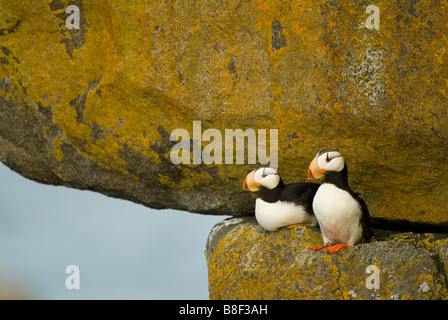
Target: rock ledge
(247, 262)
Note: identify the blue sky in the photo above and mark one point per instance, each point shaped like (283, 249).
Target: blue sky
(123, 250)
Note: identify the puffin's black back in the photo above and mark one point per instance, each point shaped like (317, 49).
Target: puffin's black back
(299, 193)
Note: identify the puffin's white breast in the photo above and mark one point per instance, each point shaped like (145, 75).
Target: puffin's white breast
(338, 214)
(272, 216)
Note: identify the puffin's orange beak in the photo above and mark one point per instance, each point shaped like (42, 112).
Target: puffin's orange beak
(314, 172)
(245, 185)
(249, 184)
(310, 174)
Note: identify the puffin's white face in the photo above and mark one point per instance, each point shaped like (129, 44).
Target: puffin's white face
(326, 160)
(265, 176)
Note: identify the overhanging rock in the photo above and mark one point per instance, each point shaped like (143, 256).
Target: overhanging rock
(91, 101)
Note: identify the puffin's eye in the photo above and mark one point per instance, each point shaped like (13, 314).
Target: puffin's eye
(264, 173)
(328, 159)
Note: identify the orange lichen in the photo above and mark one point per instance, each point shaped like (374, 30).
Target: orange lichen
(249, 263)
(137, 71)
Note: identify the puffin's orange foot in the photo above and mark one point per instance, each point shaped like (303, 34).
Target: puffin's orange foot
(337, 247)
(318, 247)
(305, 224)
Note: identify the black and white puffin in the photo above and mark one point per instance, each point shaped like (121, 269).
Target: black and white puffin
(279, 205)
(342, 215)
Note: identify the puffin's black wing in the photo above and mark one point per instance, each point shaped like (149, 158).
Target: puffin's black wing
(365, 219)
(301, 193)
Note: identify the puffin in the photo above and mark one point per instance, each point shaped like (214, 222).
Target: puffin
(279, 205)
(342, 215)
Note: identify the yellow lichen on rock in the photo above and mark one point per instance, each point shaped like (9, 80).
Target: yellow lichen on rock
(106, 97)
(247, 262)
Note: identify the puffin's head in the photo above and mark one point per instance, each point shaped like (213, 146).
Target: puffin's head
(327, 160)
(264, 176)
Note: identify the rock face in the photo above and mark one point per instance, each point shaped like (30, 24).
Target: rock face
(247, 262)
(90, 95)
